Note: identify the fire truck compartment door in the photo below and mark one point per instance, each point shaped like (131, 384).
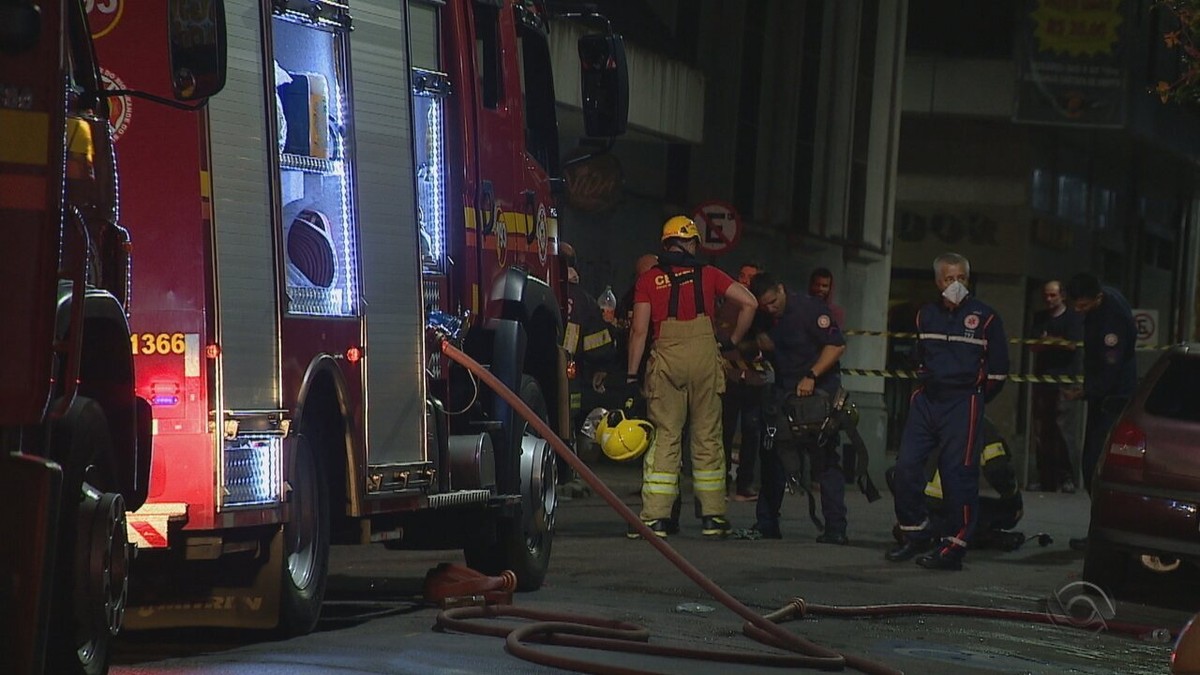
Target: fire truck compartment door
(391, 273)
(247, 296)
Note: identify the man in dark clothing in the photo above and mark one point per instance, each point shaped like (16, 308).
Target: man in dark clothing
(589, 343)
(625, 310)
(1049, 406)
(962, 357)
(1109, 366)
(587, 339)
(820, 285)
(741, 405)
(804, 345)
(1109, 361)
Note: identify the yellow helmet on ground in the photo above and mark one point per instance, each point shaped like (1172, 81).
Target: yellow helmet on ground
(622, 438)
(680, 227)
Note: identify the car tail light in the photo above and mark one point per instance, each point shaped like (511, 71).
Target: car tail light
(1126, 446)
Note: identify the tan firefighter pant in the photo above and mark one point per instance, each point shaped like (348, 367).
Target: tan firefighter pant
(684, 383)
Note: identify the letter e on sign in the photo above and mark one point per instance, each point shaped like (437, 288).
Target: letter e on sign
(720, 226)
(1146, 321)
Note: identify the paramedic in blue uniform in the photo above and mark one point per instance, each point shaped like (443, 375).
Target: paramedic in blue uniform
(962, 360)
(804, 345)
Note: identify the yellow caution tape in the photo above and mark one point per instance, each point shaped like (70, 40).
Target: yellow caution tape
(1011, 377)
(1016, 341)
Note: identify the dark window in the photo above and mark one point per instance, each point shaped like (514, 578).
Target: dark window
(537, 85)
(745, 160)
(963, 29)
(487, 54)
(806, 123)
(864, 86)
(1112, 264)
(1173, 395)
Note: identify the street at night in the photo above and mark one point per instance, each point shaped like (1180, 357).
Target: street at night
(374, 621)
(311, 306)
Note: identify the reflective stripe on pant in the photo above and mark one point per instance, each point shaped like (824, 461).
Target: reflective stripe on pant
(684, 383)
(953, 428)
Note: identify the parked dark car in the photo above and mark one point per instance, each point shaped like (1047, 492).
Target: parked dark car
(1146, 495)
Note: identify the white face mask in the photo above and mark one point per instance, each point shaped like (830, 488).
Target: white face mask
(955, 292)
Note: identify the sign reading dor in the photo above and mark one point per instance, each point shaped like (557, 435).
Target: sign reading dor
(720, 226)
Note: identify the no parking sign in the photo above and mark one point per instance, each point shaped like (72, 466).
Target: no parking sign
(1146, 321)
(720, 226)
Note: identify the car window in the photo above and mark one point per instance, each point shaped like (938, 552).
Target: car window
(1174, 394)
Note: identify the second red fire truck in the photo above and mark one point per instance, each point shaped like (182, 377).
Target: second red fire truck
(346, 191)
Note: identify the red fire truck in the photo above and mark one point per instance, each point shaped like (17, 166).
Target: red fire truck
(74, 438)
(350, 193)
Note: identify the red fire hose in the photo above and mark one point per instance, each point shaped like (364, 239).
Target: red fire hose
(582, 631)
(798, 608)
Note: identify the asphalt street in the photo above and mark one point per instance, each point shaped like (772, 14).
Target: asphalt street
(374, 620)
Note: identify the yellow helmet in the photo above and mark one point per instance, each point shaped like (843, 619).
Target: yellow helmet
(621, 438)
(680, 227)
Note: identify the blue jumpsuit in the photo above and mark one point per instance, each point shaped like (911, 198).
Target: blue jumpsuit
(1109, 372)
(962, 356)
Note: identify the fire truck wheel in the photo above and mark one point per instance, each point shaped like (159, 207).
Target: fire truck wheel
(523, 541)
(305, 541)
(92, 560)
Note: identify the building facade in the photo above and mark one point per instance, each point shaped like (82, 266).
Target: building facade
(869, 136)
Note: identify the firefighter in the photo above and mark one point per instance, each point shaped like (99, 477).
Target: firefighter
(674, 302)
(962, 356)
(589, 344)
(1109, 367)
(81, 151)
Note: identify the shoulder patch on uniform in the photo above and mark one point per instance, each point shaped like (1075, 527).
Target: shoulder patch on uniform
(972, 321)
(823, 321)
(1111, 340)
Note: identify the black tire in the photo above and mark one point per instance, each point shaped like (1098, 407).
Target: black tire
(1105, 567)
(305, 559)
(523, 542)
(84, 616)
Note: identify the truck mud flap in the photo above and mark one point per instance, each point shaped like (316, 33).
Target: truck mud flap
(252, 604)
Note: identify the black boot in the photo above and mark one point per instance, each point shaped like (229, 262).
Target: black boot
(673, 521)
(908, 549)
(762, 531)
(831, 537)
(945, 558)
